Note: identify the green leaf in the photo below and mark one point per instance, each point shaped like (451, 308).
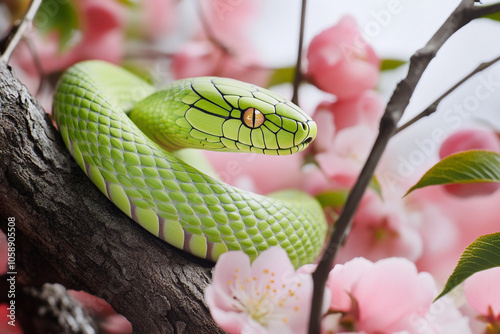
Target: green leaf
(129, 3)
(391, 64)
(337, 198)
(332, 199)
(482, 254)
(282, 75)
(494, 16)
(375, 186)
(464, 167)
(57, 15)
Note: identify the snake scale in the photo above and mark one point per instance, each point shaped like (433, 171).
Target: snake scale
(108, 119)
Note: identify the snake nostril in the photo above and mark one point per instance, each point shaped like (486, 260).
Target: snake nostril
(303, 125)
(308, 140)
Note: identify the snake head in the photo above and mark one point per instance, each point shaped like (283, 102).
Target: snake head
(223, 115)
(245, 118)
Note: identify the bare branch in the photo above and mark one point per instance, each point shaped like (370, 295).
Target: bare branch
(298, 69)
(433, 106)
(480, 11)
(17, 31)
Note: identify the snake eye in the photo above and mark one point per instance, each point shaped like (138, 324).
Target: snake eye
(253, 118)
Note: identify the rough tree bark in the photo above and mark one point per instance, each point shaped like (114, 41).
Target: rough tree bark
(68, 232)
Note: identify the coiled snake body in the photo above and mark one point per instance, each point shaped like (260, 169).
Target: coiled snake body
(108, 119)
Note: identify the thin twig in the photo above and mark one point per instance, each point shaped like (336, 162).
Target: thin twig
(298, 70)
(480, 11)
(463, 14)
(18, 31)
(433, 106)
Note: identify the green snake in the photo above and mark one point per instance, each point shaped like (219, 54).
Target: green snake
(122, 131)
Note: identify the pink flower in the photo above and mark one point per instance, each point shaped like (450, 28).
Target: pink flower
(367, 108)
(96, 306)
(230, 22)
(447, 229)
(441, 241)
(101, 38)
(224, 49)
(267, 296)
(116, 324)
(257, 172)
(204, 58)
(346, 132)
(344, 157)
(108, 320)
(483, 295)
(326, 127)
(156, 17)
(382, 228)
(470, 139)
(387, 296)
(341, 62)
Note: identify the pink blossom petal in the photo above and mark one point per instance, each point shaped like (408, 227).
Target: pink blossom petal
(442, 318)
(340, 62)
(381, 229)
(102, 17)
(102, 37)
(326, 128)
(276, 269)
(441, 240)
(366, 108)
(275, 264)
(197, 58)
(204, 58)
(392, 284)
(482, 291)
(346, 154)
(96, 306)
(470, 139)
(231, 22)
(340, 170)
(342, 279)
(230, 268)
(251, 326)
(116, 324)
(158, 16)
(218, 303)
(261, 169)
(306, 269)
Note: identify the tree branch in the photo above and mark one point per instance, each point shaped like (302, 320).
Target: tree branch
(399, 101)
(17, 31)
(433, 106)
(80, 237)
(51, 309)
(480, 11)
(298, 70)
